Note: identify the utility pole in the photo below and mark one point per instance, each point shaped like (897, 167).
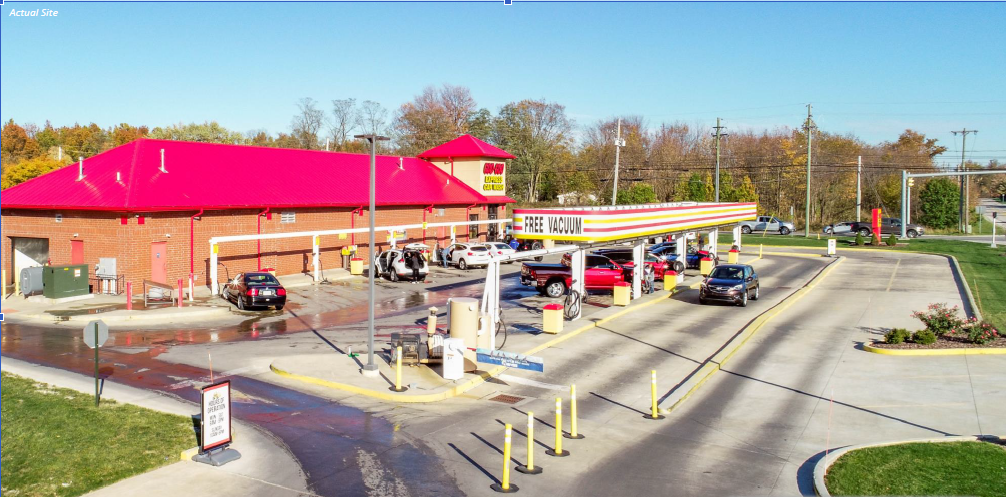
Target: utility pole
(965, 209)
(809, 128)
(718, 135)
(859, 188)
(371, 366)
(619, 143)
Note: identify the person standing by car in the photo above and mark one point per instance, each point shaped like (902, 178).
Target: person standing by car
(415, 262)
(514, 244)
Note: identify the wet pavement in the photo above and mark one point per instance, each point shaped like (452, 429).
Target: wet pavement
(342, 450)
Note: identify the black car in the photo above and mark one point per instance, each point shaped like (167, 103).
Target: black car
(734, 283)
(256, 290)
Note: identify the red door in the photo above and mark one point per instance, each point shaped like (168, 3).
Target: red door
(159, 262)
(76, 251)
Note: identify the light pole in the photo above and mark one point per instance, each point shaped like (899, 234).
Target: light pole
(373, 139)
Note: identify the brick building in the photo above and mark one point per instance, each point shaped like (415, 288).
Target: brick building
(152, 205)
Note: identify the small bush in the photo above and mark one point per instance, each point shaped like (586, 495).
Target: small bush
(892, 240)
(924, 337)
(860, 240)
(982, 333)
(897, 335)
(940, 319)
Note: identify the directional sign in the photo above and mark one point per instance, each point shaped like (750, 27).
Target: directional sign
(89, 333)
(510, 360)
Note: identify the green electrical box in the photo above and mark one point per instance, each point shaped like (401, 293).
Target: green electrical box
(65, 281)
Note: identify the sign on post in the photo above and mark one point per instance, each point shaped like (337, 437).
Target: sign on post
(832, 243)
(215, 425)
(510, 360)
(95, 335)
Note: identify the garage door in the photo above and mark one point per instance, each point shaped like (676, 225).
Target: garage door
(29, 252)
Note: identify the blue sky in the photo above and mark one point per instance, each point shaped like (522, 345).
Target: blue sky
(872, 69)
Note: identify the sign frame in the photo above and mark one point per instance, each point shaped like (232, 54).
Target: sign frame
(216, 444)
(510, 360)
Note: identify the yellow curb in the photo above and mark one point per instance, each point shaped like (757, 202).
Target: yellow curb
(864, 249)
(187, 455)
(717, 361)
(791, 254)
(459, 389)
(934, 352)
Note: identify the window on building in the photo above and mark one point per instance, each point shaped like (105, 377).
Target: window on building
(473, 229)
(288, 217)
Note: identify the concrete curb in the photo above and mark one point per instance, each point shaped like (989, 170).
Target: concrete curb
(977, 313)
(710, 367)
(934, 352)
(468, 384)
(821, 468)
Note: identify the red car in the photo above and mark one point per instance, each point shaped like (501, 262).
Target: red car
(600, 273)
(625, 258)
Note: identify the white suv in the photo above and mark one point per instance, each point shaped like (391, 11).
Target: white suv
(466, 255)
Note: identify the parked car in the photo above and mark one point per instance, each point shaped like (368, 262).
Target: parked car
(888, 225)
(600, 273)
(249, 290)
(526, 245)
(693, 256)
(843, 228)
(466, 255)
(392, 264)
(767, 223)
(624, 257)
(497, 249)
(735, 283)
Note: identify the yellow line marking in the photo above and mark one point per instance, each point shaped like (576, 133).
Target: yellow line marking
(935, 352)
(893, 274)
(946, 404)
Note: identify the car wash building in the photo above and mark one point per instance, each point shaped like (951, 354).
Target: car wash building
(146, 210)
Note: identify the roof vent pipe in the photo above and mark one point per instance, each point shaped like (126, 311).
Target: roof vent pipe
(118, 176)
(162, 162)
(401, 163)
(80, 169)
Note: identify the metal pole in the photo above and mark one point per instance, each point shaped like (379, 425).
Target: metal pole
(96, 388)
(618, 142)
(904, 205)
(371, 366)
(809, 142)
(718, 135)
(859, 188)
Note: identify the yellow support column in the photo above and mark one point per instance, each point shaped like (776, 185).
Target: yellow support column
(505, 487)
(530, 469)
(4, 283)
(557, 451)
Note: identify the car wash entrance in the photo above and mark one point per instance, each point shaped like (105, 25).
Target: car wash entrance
(581, 229)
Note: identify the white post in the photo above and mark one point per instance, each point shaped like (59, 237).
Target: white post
(192, 284)
(214, 287)
(681, 247)
(316, 258)
(859, 187)
(578, 260)
(637, 273)
(737, 236)
(994, 231)
(714, 239)
(490, 300)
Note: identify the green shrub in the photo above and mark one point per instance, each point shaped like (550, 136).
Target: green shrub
(897, 335)
(892, 240)
(982, 333)
(940, 319)
(924, 337)
(860, 240)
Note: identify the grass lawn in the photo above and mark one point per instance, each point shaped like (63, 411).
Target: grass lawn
(950, 468)
(56, 443)
(984, 267)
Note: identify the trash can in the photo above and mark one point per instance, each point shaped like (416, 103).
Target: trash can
(622, 293)
(552, 319)
(454, 359)
(270, 270)
(706, 266)
(670, 280)
(732, 256)
(356, 266)
(464, 324)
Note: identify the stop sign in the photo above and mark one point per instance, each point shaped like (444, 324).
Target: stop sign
(89, 333)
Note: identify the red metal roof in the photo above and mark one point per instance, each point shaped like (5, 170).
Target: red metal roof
(216, 176)
(465, 146)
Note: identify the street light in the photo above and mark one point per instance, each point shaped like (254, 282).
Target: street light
(373, 139)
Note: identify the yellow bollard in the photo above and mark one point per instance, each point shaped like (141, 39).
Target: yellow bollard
(505, 487)
(760, 248)
(17, 285)
(4, 283)
(530, 469)
(398, 372)
(654, 411)
(573, 435)
(557, 451)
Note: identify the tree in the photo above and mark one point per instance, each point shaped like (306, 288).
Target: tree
(307, 123)
(26, 170)
(696, 189)
(480, 124)
(639, 193)
(15, 144)
(345, 118)
(435, 116)
(124, 133)
(538, 134)
(207, 132)
(939, 199)
(373, 118)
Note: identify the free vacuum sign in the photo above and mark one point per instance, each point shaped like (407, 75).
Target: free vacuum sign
(549, 225)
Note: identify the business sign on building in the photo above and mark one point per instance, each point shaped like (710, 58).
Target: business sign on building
(216, 416)
(600, 224)
(492, 181)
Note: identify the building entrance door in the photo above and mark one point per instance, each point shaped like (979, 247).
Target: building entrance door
(493, 231)
(159, 262)
(76, 251)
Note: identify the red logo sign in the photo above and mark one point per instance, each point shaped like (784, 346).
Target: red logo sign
(493, 168)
